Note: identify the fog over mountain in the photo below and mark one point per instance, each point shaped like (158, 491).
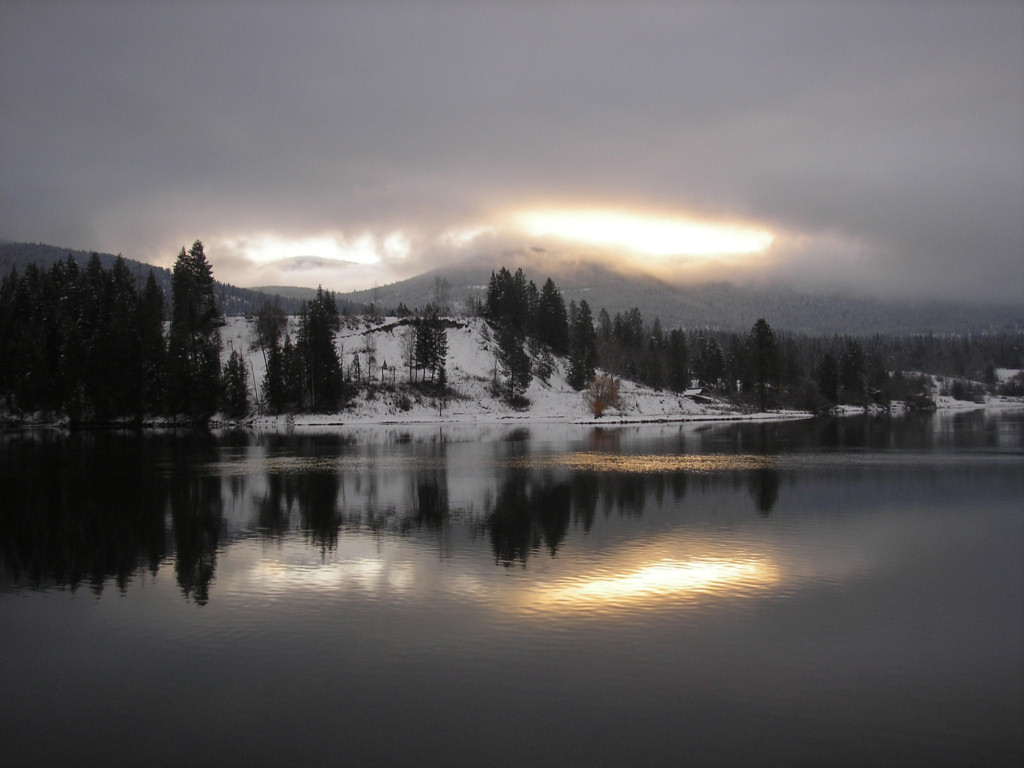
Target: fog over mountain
(862, 146)
(720, 305)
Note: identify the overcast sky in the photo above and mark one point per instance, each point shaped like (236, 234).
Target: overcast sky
(874, 145)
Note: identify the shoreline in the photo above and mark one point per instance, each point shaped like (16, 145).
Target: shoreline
(306, 421)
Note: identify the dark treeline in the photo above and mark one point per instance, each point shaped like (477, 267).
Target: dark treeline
(86, 343)
(232, 300)
(92, 345)
(89, 344)
(761, 368)
(96, 344)
(534, 321)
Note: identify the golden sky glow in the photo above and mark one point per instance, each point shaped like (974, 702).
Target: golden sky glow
(645, 234)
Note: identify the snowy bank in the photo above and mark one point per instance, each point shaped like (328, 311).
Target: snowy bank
(385, 397)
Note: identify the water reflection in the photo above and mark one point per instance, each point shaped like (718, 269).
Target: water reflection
(667, 581)
(764, 487)
(98, 508)
(68, 517)
(195, 503)
(561, 608)
(591, 461)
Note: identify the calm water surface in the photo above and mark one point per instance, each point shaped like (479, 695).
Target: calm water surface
(804, 593)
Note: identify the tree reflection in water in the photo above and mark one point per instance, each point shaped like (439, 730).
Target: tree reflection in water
(95, 508)
(764, 487)
(79, 509)
(317, 495)
(430, 509)
(196, 514)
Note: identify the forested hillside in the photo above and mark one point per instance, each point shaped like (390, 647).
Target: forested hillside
(97, 344)
(759, 366)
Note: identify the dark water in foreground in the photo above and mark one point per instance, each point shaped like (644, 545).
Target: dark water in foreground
(812, 593)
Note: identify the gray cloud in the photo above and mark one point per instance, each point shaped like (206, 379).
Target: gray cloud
(888, 136)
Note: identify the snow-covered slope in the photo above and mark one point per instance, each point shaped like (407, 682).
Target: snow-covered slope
(471, 370)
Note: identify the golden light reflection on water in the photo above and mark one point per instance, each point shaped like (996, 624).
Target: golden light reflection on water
(595, 461)
(661, 582)
(585, 461)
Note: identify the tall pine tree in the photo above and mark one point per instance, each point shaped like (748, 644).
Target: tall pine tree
(151, 337)
(552, 320)
(764, 359)
(582, 346)
(322, 368)
(194, 344)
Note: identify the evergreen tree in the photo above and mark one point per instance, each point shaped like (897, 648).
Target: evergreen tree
(828, 378)
(582, 347)
(76, 317)
(545, 366)
(604, 326)
(46, 335)
(440, 344)
(510, 301)
(678, 374)
(431, 344)
(90, 331)
(737, 366)
(423, 352)
(709, 360)
(235, 392)
(852, 372)
(552, 320)
(513, 361)
(283, 381)
(194, 344)
(763, 355)
(273, 387)
(652, 370)
(322, 368)
(9, 330)
(151, 342)
(117, 348)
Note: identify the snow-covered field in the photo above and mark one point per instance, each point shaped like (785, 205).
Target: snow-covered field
(471, 370)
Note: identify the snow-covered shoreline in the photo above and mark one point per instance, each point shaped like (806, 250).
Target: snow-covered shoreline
(471, 371)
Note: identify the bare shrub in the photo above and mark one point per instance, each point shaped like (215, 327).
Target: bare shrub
(601, 393)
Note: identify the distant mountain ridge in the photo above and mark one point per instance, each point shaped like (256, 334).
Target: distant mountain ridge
(720, 306)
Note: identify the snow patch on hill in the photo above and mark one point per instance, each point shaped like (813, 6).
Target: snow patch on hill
(471, 370)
